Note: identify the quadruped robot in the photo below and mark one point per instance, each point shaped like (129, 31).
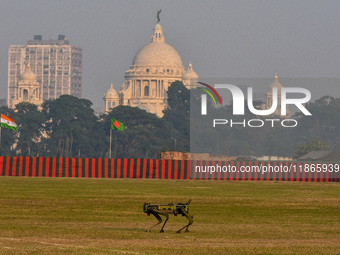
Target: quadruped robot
(165, 209)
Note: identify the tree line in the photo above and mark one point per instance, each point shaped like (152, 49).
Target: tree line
(68, 127)
(321, 131)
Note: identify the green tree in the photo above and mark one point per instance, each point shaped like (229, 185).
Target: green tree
(144, 136)
(70, 127)
(313, 145)
(178, 114)
(325, 121)
(7, 136)
(30, 130)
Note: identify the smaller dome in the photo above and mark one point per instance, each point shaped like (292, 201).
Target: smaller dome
(28, 75)
(111, 93)
(276, 83)
(190, 74)
(158, 27)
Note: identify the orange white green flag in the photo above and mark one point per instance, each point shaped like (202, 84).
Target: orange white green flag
(7, 122)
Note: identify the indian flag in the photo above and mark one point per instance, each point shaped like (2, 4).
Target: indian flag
(8, 123)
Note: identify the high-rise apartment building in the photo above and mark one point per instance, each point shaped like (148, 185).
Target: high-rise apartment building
(56, 64)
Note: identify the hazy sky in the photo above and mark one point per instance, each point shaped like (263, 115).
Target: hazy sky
(222, 38)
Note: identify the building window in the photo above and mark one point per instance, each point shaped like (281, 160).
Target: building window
(146, 91)
(109, 105)
(113, 104)
(147, 70)
(25, 94)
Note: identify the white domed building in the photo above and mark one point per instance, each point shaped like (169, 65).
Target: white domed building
(190, 77)
(276, 84)
(28, 89)
(111, 98)
(155, 66)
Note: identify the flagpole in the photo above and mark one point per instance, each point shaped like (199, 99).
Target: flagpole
(0, 138)
(110, 140)
(115, 146)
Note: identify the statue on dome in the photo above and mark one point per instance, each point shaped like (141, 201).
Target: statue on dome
(158, 12)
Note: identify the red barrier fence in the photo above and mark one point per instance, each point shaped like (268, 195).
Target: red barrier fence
(169, 169)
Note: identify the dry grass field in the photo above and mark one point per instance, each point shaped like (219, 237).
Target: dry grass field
(104, 216)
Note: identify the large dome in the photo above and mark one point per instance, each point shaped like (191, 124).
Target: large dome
(156, 54)
(154, 68)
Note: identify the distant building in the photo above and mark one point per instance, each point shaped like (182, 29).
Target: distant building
(111, 98)
(3, 102)
(28, 89)
(321, 156)
(56, 64)
(276, 84)
(155, 66)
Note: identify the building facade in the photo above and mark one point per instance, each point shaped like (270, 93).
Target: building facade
(155, 66)
(111, 98)
(28, 89)
(269, 98)
(56, 64)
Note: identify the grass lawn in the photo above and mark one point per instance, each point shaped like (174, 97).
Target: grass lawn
(104, 216)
